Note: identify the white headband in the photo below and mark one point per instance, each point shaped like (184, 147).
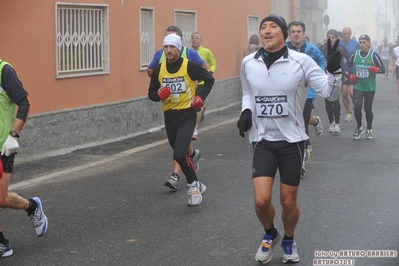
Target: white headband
(173, 39)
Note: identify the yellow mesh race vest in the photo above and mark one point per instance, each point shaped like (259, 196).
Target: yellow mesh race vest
(7, 109)
(182, 87)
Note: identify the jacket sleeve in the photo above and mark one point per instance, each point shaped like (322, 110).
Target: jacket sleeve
(154, 85)
(378, 62)
(247, 96)
(212, 62)
(192, 55)
(324, 83)
(320, 59)
(197, 72)
(16, 92)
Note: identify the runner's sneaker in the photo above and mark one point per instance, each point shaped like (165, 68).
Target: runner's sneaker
(358, 131)
(195, 159)
(307, 154)
(318, 127)
(195, 135)
(303, 169)
(6, 250)
(337, 128)
(265, 251)
(310, 148)
(290, 251)
(195, 192)
(369, 134)
(331, 128)
(348, 116)
(39, 219)
(173, 182)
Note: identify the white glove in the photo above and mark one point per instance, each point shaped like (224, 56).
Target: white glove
(10, 146)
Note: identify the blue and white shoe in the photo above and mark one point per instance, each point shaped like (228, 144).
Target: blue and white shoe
(265, 251)
(6, 250)
(39, 219)
(290, 251)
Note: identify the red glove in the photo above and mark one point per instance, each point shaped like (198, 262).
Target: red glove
(352, 78)
(374, 69)
(197, 103)
(163, 93)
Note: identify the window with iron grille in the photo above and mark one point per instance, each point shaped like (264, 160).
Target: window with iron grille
(147, 39)
(187, 22)
(81, 40)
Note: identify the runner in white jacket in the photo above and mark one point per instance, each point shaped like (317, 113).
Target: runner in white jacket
(275, 82)
(276, 95)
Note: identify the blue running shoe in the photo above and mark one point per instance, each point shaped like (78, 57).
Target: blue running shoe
(290, 251)
(39, 219)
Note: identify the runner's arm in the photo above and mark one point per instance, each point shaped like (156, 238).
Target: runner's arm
(154, 85)
(197, 72)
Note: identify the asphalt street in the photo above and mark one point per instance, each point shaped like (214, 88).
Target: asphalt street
(107, 205)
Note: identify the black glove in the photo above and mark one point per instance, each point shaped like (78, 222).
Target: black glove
(245, 122)
(333, 57)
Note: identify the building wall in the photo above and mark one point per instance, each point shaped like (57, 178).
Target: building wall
(386, 21)
(310, 12)
(31, 49)
(72, 112)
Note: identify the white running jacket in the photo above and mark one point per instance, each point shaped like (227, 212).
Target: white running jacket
(276, 96)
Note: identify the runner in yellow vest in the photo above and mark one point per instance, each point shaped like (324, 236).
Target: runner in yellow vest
(158, 58)
(173, 83)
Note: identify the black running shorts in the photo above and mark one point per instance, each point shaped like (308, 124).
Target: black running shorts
(268, 156)
(8, 163)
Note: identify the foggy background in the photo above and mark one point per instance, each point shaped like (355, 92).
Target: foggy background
(376, 18)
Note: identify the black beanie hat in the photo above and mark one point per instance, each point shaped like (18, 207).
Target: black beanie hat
(280, 21)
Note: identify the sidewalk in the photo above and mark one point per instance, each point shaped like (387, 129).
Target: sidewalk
(82, 158)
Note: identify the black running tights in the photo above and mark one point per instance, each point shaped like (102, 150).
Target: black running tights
(179, 126)
(368, 97)
(333, 111)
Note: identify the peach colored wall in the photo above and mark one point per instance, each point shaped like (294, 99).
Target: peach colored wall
(28, 43)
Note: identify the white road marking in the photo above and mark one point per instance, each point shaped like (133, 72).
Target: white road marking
(32, 182)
